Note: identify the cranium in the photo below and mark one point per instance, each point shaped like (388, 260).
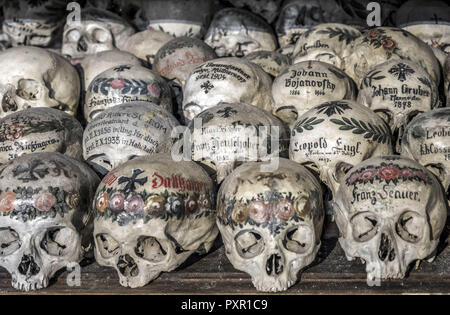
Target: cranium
(123, 84)
(45, 216)
(236, 33)
(271, 62)
(306, 84)
(40, 129)
(390, 212)
(125, 131)
(229, 134)
(35, 77)
(151, 214)
(271, 222)
(211, 82)
(398, 90)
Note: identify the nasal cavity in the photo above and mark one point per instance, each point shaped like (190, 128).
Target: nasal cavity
(386, 250)
(28, 266)
(274, 265)
(82, 45)
(127, 266)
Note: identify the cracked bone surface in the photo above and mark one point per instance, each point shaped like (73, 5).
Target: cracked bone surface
(151, 214)
(390, 211)
(270, 222)
(45, 216)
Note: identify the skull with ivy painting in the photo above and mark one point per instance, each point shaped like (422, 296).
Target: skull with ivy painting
(271, 222)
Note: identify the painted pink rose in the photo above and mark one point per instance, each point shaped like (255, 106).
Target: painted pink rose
(284, 210)
(117, 84)
(406, 173)
(135, 204)
(368, 174)
(13, 132)
(258, 211)
(388, 173)
(389, 44)
(154, 90)
(353, 178)
(116, 203)
(7, 200)
(44, 201)
(372, 35)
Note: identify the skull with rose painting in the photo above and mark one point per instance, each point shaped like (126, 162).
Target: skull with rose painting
(271, 222)
(151, 214)
(427, 141)
(333, 137)
(398, 90)
(390, 211)
(124, 84)
(45, 216)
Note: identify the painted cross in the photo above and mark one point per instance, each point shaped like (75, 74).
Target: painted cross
(131, 181)
(30, 171)
(122, 68)
(227, 112)
(207, 86)
(401, 71)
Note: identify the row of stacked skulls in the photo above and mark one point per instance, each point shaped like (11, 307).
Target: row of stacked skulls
(137, 131)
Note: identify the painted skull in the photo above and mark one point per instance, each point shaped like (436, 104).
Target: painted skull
(125, 131)
(390, 212)
(398, 90)
(427, 141)
(45, 216)
(236, 33)
(177, 58)
(229, 134)
(271, 62)
(40, 129)
(98, 30)
(306, 84)
(151, 214)
(381, 44)
(271, 222)
(124, 84)
(211, 82)
(333, 137)
(35, 77)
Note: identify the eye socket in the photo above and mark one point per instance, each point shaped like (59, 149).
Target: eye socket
(9, 241)
(151, 249)
(342, 169)
(73, 35)
(100, 36)
(59, 241)
(107, 245)
(364, 226)
(249, 244)
(29, 89)
(410, 226)
(299, 239)
(413, 114)
(385, 115)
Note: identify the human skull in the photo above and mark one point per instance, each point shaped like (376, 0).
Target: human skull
(382, 44)
(40, 129)
(177, 58)
(306, 84)
(271, 62)
(98, 31)
(228, 134)
(45, 216)
(268, 9)
(333, 137)
(236, 33)
(390, 211)
(271, 222)
(326, 42)
(151, 214)
(398, 90)
(123, 84)
(123, 132)
(35, 77)
(427, 141)
(33, 23)
(211, 82)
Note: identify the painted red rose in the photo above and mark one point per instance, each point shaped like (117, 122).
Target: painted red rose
(116, 202)
(154, 90)
(117, 84)
(368, 174)
(389, 44)
(353, 178)
(406, 173)
(284, 210)
(191, 204)
(258, 211)
(135, 204)
(388, 172)
(13, 132)
(7, 200)
(372, 35)
(44, 201)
